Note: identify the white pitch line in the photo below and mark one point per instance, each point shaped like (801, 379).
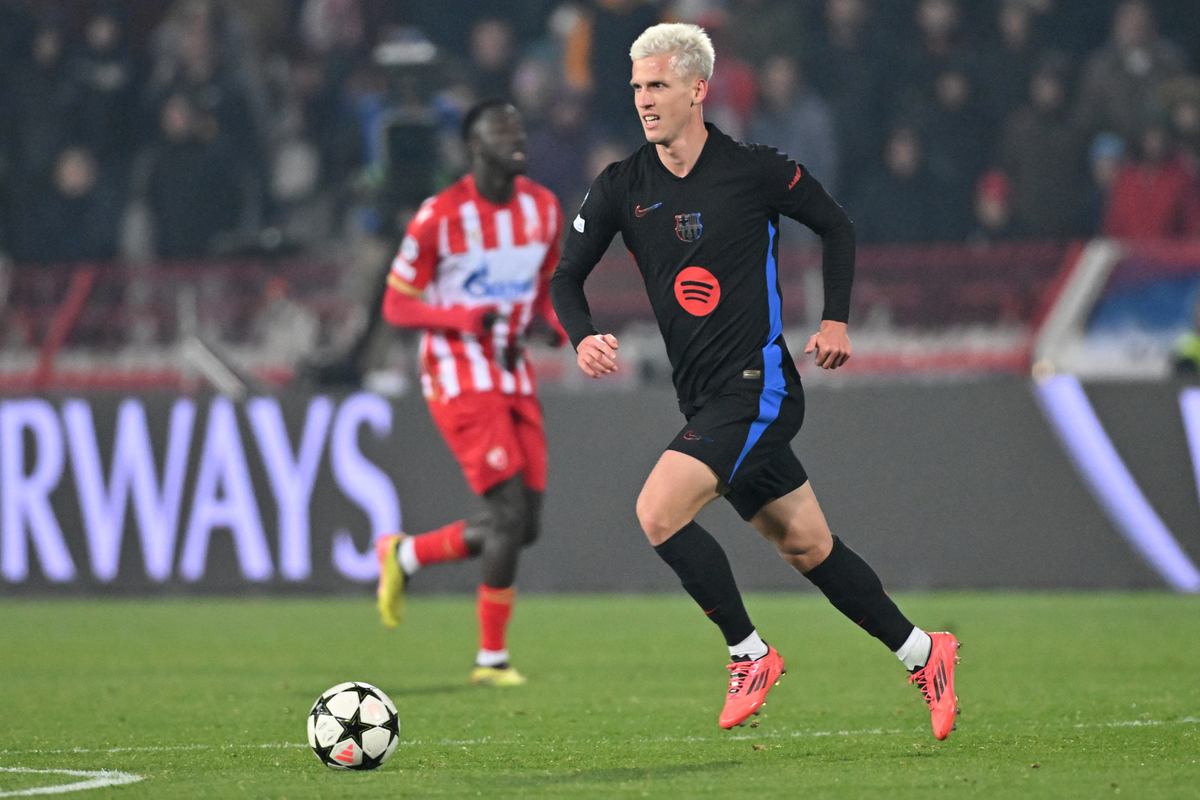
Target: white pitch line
(1135, 723)
(469, 742)
(148, 749)
(97, 779)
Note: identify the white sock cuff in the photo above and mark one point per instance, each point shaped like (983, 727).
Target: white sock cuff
(752, 646)
(491, 658)
(408, 556)
(915, 651)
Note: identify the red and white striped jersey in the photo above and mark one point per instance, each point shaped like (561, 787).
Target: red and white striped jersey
(462, 250)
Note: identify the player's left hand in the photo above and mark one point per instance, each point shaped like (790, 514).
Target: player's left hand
(831, 345)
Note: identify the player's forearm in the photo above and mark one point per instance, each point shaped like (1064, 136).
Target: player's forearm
(837, 268)
(570, 303)
(827, 219)
(404, 311)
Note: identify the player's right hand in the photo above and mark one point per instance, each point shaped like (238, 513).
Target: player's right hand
(484, 318)
(597, 355)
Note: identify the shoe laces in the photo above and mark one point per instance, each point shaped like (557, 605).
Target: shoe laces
(923, 678)
(739, 673)
(922, 682)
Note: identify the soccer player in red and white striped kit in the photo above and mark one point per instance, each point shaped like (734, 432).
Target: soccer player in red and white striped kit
(472, 272)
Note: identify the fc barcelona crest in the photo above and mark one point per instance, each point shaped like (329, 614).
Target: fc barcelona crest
(688, 227)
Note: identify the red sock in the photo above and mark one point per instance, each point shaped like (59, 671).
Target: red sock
(495, 607)
(444, 544)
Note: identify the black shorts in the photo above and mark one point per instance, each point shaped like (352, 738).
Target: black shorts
(744, 433)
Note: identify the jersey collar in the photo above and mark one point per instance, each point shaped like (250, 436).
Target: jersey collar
(473, 190)
(709, 147)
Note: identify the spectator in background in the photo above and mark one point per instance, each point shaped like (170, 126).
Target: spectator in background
(1157, 194)
(333, 37)
(448, 25)
(1105, 156)
(793, 119)
(190, 61)
(596, 61)
(760, 29)
(733, 90)
(845, 62)
(329, 26)
(38, 109)
(193, 194)
(939, 23)
(299, 215)
(534, 88)
(74, 214)
(558, 150)
(105, 87)
(898, 204)
(1007, 64)
(492, 58)
(940, 40)
(1043, 156)
(993, 210)
(958, 143)
(1121, 78)
(1181, 98)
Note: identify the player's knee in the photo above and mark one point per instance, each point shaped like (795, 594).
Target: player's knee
(656, 518)
(805, 552)
(513, 528)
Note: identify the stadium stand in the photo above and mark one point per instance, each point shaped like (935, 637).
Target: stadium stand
(313, 129)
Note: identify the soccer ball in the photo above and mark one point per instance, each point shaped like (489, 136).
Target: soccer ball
(353, 726)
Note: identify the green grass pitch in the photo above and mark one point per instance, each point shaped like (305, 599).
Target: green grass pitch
(1063, 696)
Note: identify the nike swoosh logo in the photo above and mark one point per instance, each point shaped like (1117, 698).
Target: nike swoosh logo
(641, 212)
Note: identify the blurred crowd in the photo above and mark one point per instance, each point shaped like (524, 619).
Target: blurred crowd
(164, 129)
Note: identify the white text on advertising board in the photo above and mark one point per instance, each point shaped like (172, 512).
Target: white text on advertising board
(38, 441)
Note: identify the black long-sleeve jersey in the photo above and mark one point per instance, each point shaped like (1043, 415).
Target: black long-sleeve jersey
(707, 246)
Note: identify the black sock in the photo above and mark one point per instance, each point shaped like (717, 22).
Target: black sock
(704, 571)
(855, 590)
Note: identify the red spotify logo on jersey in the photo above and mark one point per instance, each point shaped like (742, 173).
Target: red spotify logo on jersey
(697, 291)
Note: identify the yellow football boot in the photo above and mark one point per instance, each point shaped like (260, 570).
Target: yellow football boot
(390, 593)
(497, 676)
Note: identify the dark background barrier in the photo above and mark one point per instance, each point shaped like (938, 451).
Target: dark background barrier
(940, 485)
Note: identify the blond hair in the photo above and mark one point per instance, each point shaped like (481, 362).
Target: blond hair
(689, 44)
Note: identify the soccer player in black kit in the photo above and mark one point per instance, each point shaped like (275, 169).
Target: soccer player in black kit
(700, 214)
